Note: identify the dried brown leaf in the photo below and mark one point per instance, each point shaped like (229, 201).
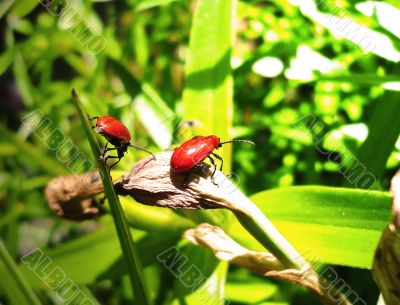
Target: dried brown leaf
(71, 197)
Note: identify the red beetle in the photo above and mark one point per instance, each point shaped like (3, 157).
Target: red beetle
(117, 134)
(192, 152)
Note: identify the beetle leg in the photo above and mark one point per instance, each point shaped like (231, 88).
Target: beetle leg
(90, 119)
(115, 163)
(214, 164)
(103, 153)
(220, 159)
(186, 177)
(119, 157)
(112, 165)
(104, 150)
(190, 171)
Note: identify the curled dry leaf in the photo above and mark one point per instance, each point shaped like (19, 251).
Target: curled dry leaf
(395, 191)
(225, 248)
(386, 264)
(265, 264)
(152, 182)
(71, 196)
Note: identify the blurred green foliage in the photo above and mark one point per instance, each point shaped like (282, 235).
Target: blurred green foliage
(312, 83)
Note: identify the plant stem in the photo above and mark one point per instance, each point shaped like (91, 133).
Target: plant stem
(126, 241)
(259, 226)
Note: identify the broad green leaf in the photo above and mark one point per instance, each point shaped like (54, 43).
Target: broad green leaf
(330, 225)
(195, 266)
(260, 290)
(213, 290)
(95, 256)
(199, 276)
(208, 91)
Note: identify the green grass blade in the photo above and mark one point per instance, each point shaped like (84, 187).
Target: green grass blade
(16, 285)
(208, 93)
(33, 152)
(384, 130)
(126, 241)
(133, 87)
(209, 85)
(24, 83)
(5, 6)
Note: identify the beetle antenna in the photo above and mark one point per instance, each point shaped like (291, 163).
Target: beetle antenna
(140, 148)
(238, 141)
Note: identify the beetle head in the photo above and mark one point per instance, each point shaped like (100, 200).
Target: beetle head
(215, 141)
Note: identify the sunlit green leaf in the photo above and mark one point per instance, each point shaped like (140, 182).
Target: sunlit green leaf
(238, 291)
(208, 89)
(331, 225)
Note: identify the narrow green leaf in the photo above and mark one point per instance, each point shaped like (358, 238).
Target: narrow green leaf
(134, 87)
(384, 130)
(139, 41)
(208, 91)
(331, 225)
(16, 286)
(126, 241)
(25, 86)
(33, 152)
(6, 59)
(5, 5)
(162, 117)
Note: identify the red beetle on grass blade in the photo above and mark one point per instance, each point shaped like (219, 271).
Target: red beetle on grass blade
(194, 151)
(117, 134)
